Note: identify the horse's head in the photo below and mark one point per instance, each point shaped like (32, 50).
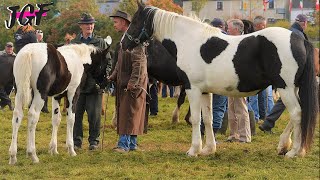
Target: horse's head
(140, 29)
(248, 26)
(98, 67)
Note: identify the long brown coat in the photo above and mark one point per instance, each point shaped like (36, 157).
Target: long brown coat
(131, 81)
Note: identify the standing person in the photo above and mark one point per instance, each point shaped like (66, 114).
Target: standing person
(24, 35)
(238, 115)
(265, 98)
(131, 79)
(6, 90)
(298, 27)
(90, 94)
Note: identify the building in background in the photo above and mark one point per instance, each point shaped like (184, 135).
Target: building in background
(248, 9)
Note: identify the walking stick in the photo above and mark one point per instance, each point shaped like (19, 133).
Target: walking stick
(105, 120)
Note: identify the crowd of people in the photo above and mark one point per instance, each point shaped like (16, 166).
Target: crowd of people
(128, 69)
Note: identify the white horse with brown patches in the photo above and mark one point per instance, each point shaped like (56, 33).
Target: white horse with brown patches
(212, 62)
(46, 71)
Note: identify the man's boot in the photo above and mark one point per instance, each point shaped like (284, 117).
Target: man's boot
(252, 123)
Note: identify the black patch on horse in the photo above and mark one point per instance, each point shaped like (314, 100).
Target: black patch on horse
(171, 47)
(299, 53)
(257, 64)
(55, 77)
(212, 48)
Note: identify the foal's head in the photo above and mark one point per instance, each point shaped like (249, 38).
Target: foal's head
(99, 65)
(140, 29)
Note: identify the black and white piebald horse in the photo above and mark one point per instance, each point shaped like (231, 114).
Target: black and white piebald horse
(159, 55)
(210, 61)
(46, 71)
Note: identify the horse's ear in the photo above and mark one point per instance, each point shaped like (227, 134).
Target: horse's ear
(140, 4)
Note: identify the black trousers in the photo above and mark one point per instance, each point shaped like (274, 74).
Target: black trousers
(154, 99)
(5, 100)
(274, 115)
(90, 103)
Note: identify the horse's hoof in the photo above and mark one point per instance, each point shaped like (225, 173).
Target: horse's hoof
(291, 154)
(72, 152)
(35, 159)
(207, 151)
(53, 151)
(282, 151)
(191, 154)
(12, 160)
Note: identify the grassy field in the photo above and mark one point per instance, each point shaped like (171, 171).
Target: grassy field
(164, 157)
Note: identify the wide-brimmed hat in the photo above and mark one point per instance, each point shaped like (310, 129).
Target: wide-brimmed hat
(86, 18)
(123, 15)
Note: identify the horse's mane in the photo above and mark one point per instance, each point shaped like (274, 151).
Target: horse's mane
(162, 17)
(82, 50)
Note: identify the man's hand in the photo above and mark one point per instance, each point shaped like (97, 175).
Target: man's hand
(130, 87)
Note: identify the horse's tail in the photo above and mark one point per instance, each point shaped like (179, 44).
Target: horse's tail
(308, 92)
(22, 73)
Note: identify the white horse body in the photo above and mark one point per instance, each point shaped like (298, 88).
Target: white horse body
(28, 65)
(220, 75)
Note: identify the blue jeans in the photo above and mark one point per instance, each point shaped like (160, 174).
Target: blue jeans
(265, 102)
(219, 107)
(253, 106)
(164, 90)
(128, 142)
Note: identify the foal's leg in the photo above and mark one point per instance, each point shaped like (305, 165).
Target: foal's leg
(206, 108)
(181, 99)
(194, 100)
(70, 122)
(56, 119)
(16, 122)
(33, 118)
(289, 98)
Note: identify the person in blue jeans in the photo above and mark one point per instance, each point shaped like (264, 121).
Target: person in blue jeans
(164, 90)
(219, 107)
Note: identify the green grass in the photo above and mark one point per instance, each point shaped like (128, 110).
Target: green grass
(164, 156)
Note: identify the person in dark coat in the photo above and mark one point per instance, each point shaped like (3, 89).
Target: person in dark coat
(90, 98)
(131, 79)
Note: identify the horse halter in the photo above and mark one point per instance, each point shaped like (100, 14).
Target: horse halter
(138, 39)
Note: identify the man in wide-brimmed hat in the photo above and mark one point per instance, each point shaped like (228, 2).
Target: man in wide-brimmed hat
(90, 98)
(131, 79)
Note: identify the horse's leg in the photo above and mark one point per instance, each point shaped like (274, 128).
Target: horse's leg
(206, 108)
(285, 139)
(16, 122)
(289, 98)
(194, 100)
(56, 119)
(33, 118)
(70, 121)
(181, 99)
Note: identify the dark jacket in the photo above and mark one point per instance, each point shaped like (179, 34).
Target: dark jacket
(92, 85)
(23, 38)
(131, 69)
(296, 28)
